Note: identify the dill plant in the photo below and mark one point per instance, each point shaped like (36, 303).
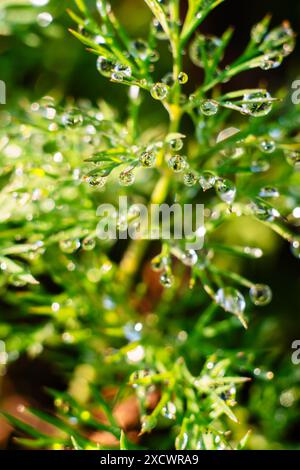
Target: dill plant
(106, 324)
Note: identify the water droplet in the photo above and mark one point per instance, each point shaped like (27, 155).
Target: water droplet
(257, 103)
(209, 107)
(96, 181)
(166, 280)
(88, 244)
(121, 71)
(153, 56)
(264, 212)
(226, 190)
(260, 165)
(203, 46)
(189, 179)
(231, 300)
(177, 163)
(105, 66)
(268, 191)
(147, 159)
(158, 263)
(168, 79)
(229, 396)
(295, 248)
(231, 151)
(44, 19)
(117, 77)
(139, 49)
(189, 258)
(268, 146)
(159, 31)
(183, 78)
(69, 245)
(169, 410)
(207, 180)
(293, 159)
(159, 91)
(126, 178)
(72, 118)
(176, 144)
(270, 62)
(281, 40)
(260, 294)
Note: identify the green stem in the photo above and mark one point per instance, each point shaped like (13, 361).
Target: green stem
(137, 248)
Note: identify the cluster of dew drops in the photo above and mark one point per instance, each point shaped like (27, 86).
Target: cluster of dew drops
(229, 298)
(254, 104)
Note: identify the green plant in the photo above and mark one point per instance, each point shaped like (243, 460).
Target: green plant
(103, 321)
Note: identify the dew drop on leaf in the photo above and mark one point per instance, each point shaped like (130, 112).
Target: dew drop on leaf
(264, 212)
(166, 280)
(159, 91)
(260, 165)
(269, 191)
(183, 78)
(207, 180)
(267, 146)
(88, 244)
(281, 40)
(260, 294)
(176, 144)
(270, 62)
(72, 118)
(189, 258)
(231, 300)
(153, 56)
(121, 71)
(147, 159)
(157, 263)
(189, 179)
(206, 44)
(168, 79)
(178, 163)
(69, 245)
(209, 107)
(126, 178)
(105, 66)
(257, 103)
(158, 30)
(96, 181)
(169, 410)
(226, 190)
(139, 49)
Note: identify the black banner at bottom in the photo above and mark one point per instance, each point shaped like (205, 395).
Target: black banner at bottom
(134, 459)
